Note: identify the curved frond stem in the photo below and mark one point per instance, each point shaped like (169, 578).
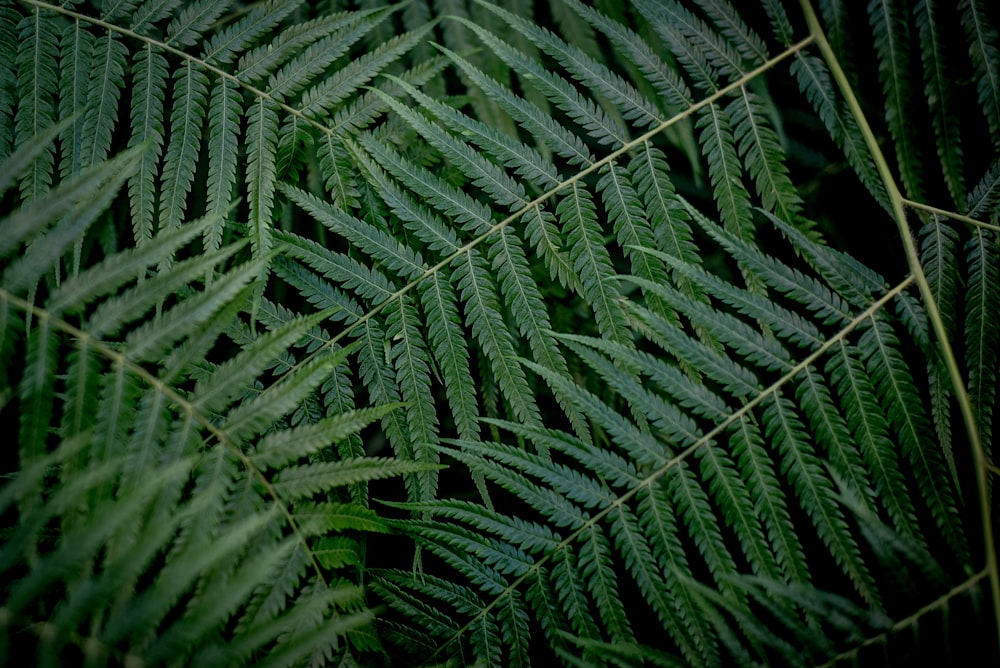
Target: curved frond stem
(950, 214)
(933, 312)
(940, 602)
(112, 355)
(658, 473)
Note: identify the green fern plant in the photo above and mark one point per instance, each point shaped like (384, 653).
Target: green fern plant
(559, 268)
(166, 508)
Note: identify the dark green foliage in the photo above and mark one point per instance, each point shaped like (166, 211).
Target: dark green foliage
(469, 333)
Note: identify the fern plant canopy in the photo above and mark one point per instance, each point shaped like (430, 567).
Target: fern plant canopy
(499, 333)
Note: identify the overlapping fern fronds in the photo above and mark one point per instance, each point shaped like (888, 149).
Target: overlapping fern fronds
(167, 505)
(564, 250)
(173, 495)
(734, 426)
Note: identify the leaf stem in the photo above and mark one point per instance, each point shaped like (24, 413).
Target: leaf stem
(950, 214)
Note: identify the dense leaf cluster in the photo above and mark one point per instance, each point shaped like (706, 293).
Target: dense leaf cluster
(587, 280)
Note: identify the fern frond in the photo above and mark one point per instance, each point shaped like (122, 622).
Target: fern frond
(478, 292)
(982, 38)
(910, 424)
(213, 392)
(9, 19)
(282, 447)
(261, 141)
(107, 79)
(832, 431)
(836, 21)
(224, 110)
(703, 53)
(981, 326)
(691, 498)
(187, 26)
(17, 162)
(809, 292)
(347, 254)
(484, 318)
(814, 82)
(581, 109)
(938, 88)
(557, 138)
(525, 160)
(104, 278)
(817, 495)
(747, 442)
(660, 525)
(76, 50)
(370, 284)
(856, 282)
(527, 536)
(298, 635)
(37, 391)
(147, 13)
(260, 413)
(295, 74)
(440, 302)
(37, 84)
(769, 499)
(650, 174)
(717, 468)
(595, 561)
(257, 63)
(785, 323)
(79, 202)
(591, 260)
(153, 338)
(588, 71)
(317, 101)
(81, 546)
(938, 253)
(731, 26)
(724, 170)
(149, 77)
(891, 28)
(181, 157)
(506, 251)
(225, 45)
(305, 480)
(445, 334)
(434, 618)
(763, 156)
(112, 314)
(672, 92)
(625, 211)
(409, 356)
